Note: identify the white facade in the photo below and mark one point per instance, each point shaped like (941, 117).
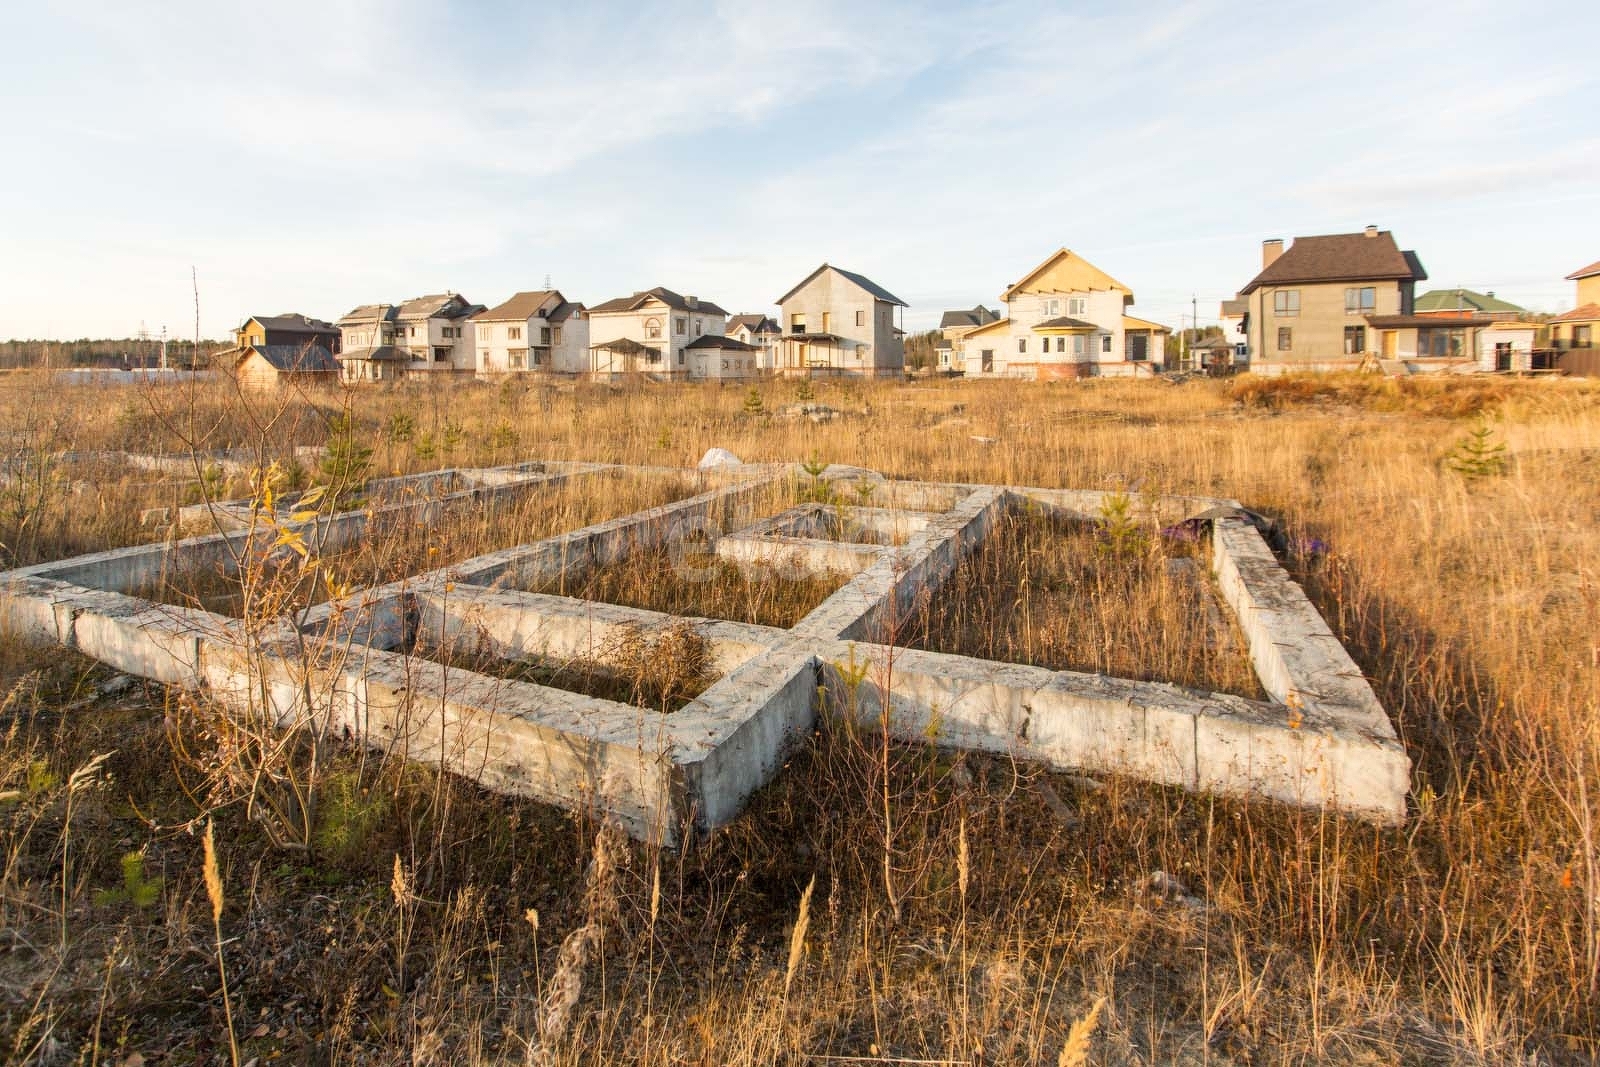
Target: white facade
(1507, 346)
(723, 364)
(656, 324)
(1022, 348)
(533, 332)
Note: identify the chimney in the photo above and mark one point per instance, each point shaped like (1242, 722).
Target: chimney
(1271, 249)
(692, 301)
(1372, 231)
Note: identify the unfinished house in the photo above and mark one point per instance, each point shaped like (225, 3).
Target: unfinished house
(539, 331)
(1066, 318)
(841, 324)
(761, 331)
(271, 351)
(422, 336)
(649, 333)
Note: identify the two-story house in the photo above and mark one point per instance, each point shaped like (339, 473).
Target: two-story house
(649, 332)
(760, 331)
(1330, 301)
(539, 331)
(1066, 318)
(1579, 329)
(424, 335)
(953, 329)
(837, 322)
(270, 350)
(1232, 314)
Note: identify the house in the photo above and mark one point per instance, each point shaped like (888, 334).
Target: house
(1576, 330)
(837, 322)
(1457, 302)
(423, 336)
(649, 332)
(1508, 346)
(1429, 342)
(1210, 353)
(944, 356)
(1309, 306)
(273, 350)
(716, 358)
(758, 330)
(954, 327)
(1232, 314)
(537, 331)
(1066, 318)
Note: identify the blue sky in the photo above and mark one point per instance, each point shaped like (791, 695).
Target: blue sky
(314, 156)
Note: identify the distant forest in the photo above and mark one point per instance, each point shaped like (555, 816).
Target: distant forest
(125, 353)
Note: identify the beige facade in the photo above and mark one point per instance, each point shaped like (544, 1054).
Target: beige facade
(837, 322)
(537, 332)
(1066, 318)
(423, 336)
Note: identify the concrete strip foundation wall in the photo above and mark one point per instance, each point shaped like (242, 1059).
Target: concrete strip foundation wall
(361, 664)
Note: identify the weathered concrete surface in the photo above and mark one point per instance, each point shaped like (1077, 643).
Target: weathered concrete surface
(1323, 742)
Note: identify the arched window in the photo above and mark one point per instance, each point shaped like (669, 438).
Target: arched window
(652, 329)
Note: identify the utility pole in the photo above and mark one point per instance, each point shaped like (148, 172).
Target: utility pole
(1194, 306)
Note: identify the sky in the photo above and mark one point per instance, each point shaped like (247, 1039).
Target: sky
(291, 156)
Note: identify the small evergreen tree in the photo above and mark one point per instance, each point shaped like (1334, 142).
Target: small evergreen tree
(1478, 455)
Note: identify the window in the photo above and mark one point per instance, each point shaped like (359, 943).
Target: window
(861, 318)
(797, 324)
(513, 333)
(411, 331)
(1362, 301)
(652, 329)
(517, 358)
(1077, 344)
(556, 335)
(1022, 344)
(680, 325)
(987, 357)
(1051, 308)
(724, 366)
(1286, 302)
(1285, 339)
(483, 357)
(827, 321)
(540, 357)
(1061, 344)
(1441, 343)
(1581, 337)
(441, 354)
(1105, 343)
(544, 335)
(1077, 305)
(1355, 339)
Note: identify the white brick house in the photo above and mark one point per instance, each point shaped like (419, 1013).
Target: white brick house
(538, 331)
(650, 332)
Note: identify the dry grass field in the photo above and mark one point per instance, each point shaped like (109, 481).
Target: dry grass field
(877, 903)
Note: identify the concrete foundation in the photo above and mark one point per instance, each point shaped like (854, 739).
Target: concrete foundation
(363, 663)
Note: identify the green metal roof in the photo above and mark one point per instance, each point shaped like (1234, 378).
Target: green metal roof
(1461, 300)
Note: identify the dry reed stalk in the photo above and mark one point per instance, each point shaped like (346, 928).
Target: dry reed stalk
(797, 939)
(213, 880)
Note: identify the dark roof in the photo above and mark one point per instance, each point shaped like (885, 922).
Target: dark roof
(437, 305)
(625, 345)
(1585, 272)
(380, 354)
(877, 291)
(564, 311)
(1463, 300)
(1063, 322)
(369, 313)
(519, 307)
(675, 301)
(1584, 313)
(757, 323)
(1212, 342)
(293, 322)
(1338, 257)
(941, 345)
(294, 358)
(712, 340)
(1399, 322)
(831, 338)
(977, 316)
(1237, 306)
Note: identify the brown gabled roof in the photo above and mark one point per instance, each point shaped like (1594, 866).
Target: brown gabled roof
(1400, 322)
(1065, 322)
(1585, 313)
(977, 316)
(757, 323)
(368, 313)
(293, 322)
(519, 308)
(675, 301)
(1340, 257)
(309, 359)
(564, 311)
(436, 305)
(1585, 272)
(716, 340)
(625, 345)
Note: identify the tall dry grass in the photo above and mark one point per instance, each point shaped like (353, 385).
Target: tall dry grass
(964, 908)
